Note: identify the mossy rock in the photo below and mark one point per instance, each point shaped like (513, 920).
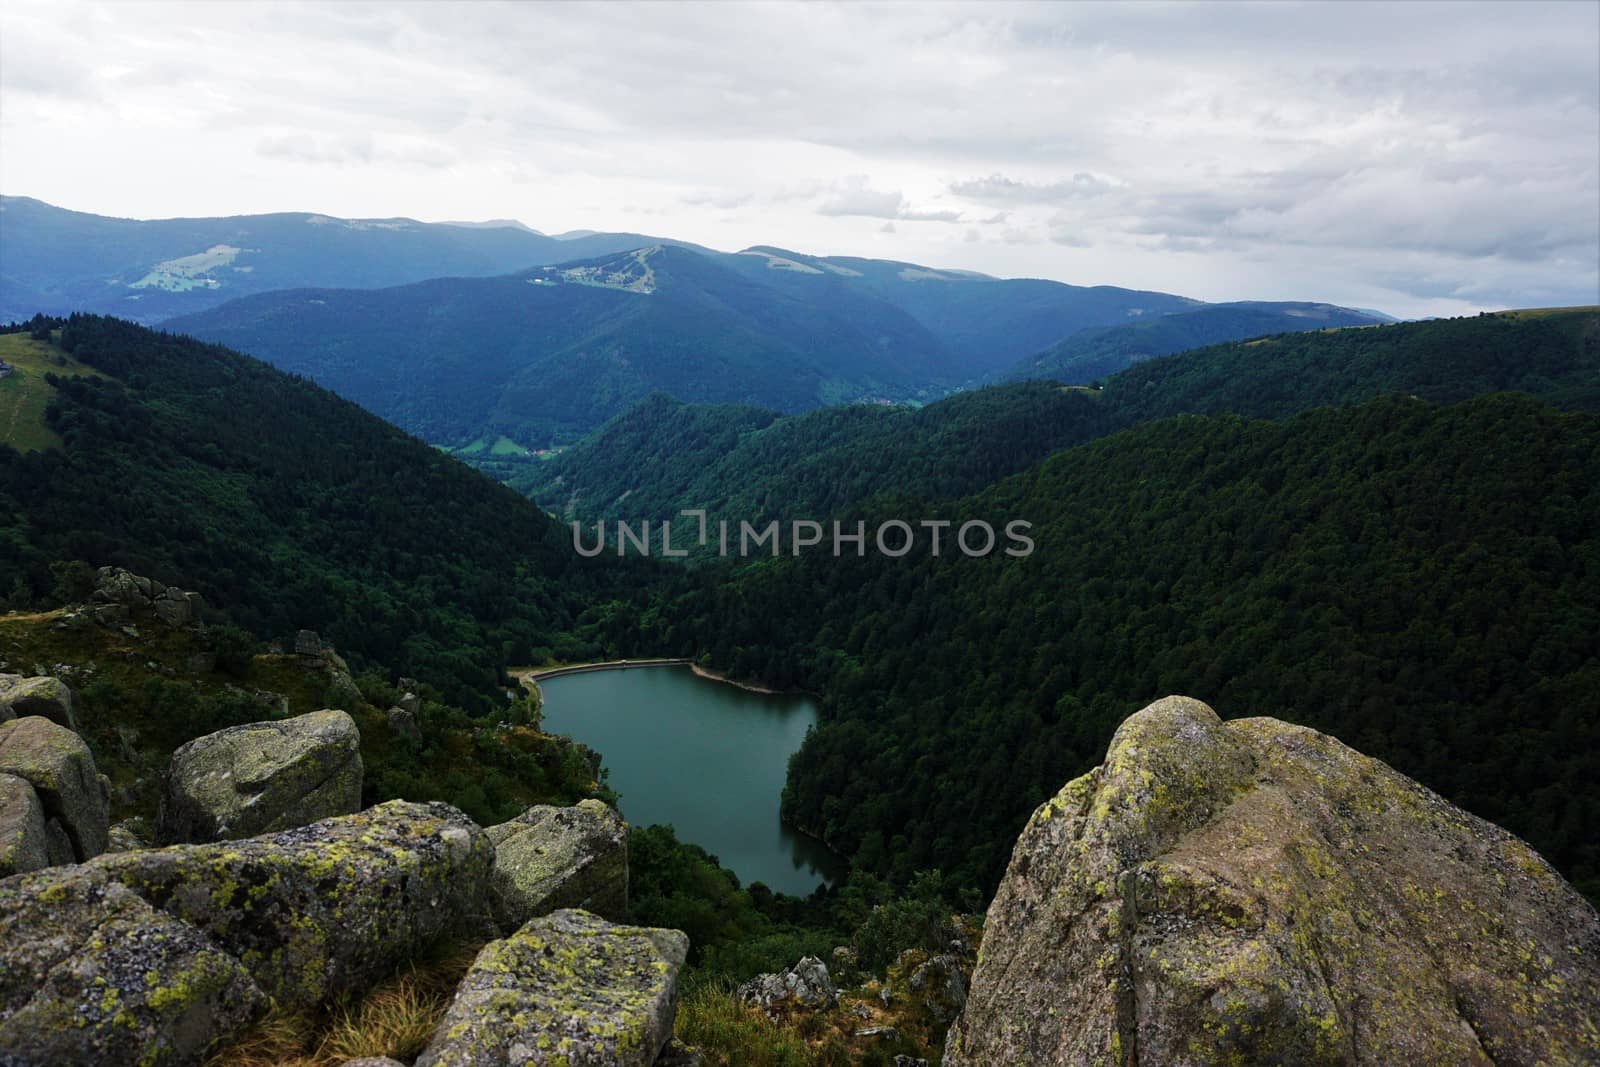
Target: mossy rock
(324, 908)
(50, 698)
(553, 857)
(23, 846)
(261, 777)
(59, 766)
(1256, 892)
(566, 989)
(91, 974)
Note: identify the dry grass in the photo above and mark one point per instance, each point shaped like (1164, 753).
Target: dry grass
(394, 1019)
(731, 1034)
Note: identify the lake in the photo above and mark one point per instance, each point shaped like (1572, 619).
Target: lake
(705, 756)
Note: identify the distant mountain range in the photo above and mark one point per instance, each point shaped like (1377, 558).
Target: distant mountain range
(548, 354)
(465, 334)
(54, 260)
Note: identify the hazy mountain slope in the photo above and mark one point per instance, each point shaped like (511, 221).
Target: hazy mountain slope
(53, 260)
(663, 456)
(286, 506)
(551, 353)
(1089, 355)
(989, 322)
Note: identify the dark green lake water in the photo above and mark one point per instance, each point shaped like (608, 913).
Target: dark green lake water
(707, 757)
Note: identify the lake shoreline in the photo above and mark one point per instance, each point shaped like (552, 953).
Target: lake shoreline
(751, 687)
(533, 676)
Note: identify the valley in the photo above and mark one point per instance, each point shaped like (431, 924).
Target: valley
(1385, 533)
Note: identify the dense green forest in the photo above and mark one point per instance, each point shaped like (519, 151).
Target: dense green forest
(1419, 580)
(1551, 355)
(1094, 353)
(739, 463)
(288, 507)
(746, 463)
(1422, 582)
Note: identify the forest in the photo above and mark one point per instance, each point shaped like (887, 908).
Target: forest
(1414, 569)
(1421, 581)
(288, 507)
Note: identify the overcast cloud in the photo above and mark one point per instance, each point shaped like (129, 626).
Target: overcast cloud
(1424, 159)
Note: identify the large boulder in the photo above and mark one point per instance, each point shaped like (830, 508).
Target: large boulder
(568, 988)
(805, 985)
(120, 594)
(328, 907)
(47, 697)
(61, 770)
(91, 974)
(261, 777)
(549, 858)
(23, 845)
(1256, 892)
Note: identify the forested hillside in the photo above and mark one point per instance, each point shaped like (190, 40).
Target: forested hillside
(1422, 582)
(663, 456)
(548, 355)
(1092, 354)
(747, 463)
(286, 507)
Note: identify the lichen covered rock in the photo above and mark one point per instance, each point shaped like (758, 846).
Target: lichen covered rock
(569, 989)
(261, 777)
(50, 698)
(61, 770)
(940, 985)
(91, 974)
(328, 907)
(120, 594)
(550, 857)
(1256, 892)
(805, 985)
(22, 835)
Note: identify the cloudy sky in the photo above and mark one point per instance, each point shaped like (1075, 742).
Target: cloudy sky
(1426, 159)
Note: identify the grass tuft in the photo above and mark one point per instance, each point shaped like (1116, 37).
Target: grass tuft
(395, 1018)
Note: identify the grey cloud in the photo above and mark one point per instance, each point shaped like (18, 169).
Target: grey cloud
(1001, 188)
(722, 199)
(856, 197)
(351, 150)
(1437, 152)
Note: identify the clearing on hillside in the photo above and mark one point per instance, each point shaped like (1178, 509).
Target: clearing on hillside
(24, 394)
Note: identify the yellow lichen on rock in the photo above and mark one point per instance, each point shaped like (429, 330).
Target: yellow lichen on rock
(1253, 892)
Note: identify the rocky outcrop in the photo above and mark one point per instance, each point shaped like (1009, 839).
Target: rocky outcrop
(261, 777)
(23, 844)
(91, 974)
(1256, 892)
(549, 858)
(49, 698)
(327, 907)
(805, 985)
(568, 988)
(939, 984)
(403, 723)
(58, 766)
(120, 596)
